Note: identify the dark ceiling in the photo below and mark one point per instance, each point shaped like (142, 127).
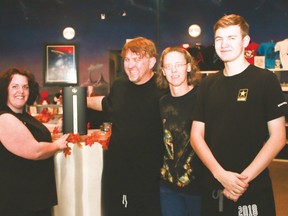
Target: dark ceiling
(27, 25)
(159, 15)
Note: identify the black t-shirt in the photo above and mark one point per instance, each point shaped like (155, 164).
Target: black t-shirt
(135, 153)
(180, 167)
(235, 111)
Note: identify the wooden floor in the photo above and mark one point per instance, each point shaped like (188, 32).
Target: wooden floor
(279, 175)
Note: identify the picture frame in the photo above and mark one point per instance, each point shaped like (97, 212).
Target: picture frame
(61, 65)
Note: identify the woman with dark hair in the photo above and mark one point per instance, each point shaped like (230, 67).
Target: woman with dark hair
(6, 78)
(27, 183)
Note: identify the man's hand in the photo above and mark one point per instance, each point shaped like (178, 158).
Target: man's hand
(234, 184)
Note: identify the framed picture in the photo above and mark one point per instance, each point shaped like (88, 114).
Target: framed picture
(60, 65)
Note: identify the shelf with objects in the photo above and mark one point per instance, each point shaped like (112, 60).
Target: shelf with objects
(282, 75)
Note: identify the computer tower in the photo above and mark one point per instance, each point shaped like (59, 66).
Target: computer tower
(74, 110)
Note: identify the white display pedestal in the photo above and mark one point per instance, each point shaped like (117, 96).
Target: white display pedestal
(78, 179)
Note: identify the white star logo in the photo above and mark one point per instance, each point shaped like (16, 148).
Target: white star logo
(242, 95)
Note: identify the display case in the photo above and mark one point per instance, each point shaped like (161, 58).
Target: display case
(50, 115)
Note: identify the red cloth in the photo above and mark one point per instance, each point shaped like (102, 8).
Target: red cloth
(251, 52)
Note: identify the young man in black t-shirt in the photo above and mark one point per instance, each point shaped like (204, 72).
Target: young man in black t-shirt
(239, 128)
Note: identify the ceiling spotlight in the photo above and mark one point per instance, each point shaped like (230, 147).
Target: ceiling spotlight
(68, 33)
(194, 30)
(103, 16)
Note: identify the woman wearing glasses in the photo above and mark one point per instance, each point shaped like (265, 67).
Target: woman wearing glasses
(180, 192)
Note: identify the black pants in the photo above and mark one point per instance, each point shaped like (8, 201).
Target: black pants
(252, 203)
(136, 203)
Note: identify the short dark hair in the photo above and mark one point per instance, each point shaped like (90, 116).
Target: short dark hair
(5, 79)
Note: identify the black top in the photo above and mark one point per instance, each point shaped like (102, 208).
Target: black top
(181, 164)
(135, 153)
(235, 111)
(28, 184)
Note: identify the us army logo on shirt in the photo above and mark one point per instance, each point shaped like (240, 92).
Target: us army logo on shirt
(242, 95)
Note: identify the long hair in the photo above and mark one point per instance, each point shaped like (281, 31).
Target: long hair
(191, 76)
(5, 79)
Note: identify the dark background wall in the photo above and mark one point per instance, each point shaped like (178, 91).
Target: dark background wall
(27, 25)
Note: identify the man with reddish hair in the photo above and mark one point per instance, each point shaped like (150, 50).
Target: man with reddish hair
(131, 173)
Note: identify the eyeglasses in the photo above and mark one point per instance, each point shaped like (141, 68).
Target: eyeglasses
(169, 67)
